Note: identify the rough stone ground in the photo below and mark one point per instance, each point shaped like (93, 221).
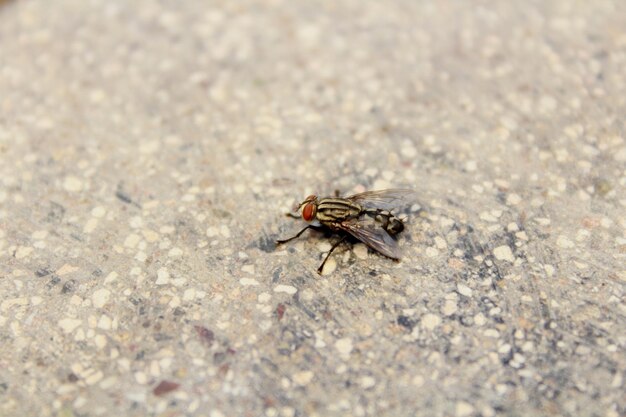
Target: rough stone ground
(148, 151)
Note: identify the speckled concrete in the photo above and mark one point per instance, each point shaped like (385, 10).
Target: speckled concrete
(149, 150)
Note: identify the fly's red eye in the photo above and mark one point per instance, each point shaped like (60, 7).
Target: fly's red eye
(308, 212)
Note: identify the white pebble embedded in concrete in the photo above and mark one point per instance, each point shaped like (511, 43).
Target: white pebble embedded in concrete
(303, 378)
(430, 321)
(246, 282)
(287, 289)
(72, 184)
(100, 297)
(163, 277)
(344, 346)
(504, 253)
(69, 325)
(463, 409)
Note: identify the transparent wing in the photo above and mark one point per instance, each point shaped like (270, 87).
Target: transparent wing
(373, 236)
(385, 199)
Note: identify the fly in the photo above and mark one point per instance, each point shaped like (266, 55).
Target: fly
(366, 216)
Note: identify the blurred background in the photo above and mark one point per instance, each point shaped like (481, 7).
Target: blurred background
(148, 152)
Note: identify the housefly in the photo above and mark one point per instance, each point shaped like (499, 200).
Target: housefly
(365, 216)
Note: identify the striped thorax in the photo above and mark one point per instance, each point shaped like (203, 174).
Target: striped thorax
(331, 210)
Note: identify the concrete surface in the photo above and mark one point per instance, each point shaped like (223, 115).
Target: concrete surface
(149, 150)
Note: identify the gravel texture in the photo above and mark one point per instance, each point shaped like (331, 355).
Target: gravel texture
(149, 149)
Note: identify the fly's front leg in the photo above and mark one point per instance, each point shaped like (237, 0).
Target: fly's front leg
(318, 228)
(319, 270)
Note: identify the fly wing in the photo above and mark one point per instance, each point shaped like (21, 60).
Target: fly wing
(373, 236)
(385, 199)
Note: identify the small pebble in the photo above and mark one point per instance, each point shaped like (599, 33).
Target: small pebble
(464, 290)
(564, 242)
(163, 277)
(105, 322)
(288, 289)
(175, 252)
(504, 253)
(463, 409)
(367, 382)
(303, 378)
(72, 184)
(150, 235)
(90, 226)
(360, 251)
(449, 308)
(141, 378)
(93, 378)
(330, 266)
(430, 321)
(513, 199)
(344, 346)
(98, 212)
(132, 240)
(100, 297)
(100, 341)
(69, 325)
(23, 252)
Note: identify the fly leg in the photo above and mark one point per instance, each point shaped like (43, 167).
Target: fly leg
(319, 270)
(278, 242)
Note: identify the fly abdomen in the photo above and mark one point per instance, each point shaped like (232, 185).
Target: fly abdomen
(394, 226)
(387, 221)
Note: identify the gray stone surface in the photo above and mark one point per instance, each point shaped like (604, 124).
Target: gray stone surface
(149, 150)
